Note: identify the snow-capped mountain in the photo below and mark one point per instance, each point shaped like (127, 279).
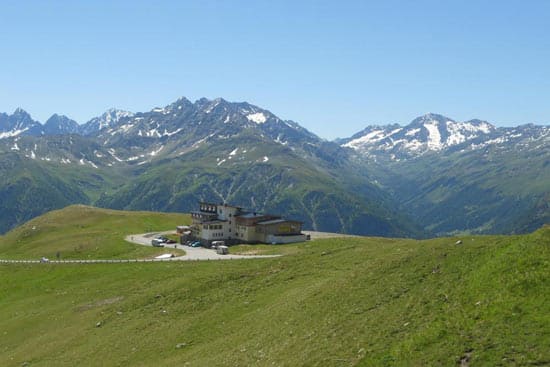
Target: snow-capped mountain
(172, 156)
(170, 131)
(182, 126)
(435, 133)
(18, 123)
(110, 118)
(59, 125)
(201, 119)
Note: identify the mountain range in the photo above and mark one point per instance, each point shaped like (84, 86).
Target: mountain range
(434, 176)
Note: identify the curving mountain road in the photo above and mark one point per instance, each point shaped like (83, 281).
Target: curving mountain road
(191, 254)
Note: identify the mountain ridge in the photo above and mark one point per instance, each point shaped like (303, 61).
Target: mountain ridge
(433, 133)
(176, 155)
(384, 180)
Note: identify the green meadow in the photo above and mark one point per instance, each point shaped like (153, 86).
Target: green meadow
(84, 232)
(354, 301)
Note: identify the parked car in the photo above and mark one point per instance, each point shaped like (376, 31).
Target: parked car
(196, 244)
(155, 242)
(215, 244)
(162, 239)
(222, 250)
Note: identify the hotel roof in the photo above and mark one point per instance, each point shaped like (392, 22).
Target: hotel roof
(254, 215)
(275, 221)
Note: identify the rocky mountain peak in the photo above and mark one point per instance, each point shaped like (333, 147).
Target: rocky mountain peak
(19, 112)
(18, 123)
(60, 124)
(430, 132)
(430, 118)
(108, 119)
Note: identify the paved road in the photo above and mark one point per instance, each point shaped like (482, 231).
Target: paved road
(88, 261)
(191, 253)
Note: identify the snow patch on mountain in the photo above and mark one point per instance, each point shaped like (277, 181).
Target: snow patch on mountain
(112, 152)
(84, 161)
(166, 133)
(258, 117)
(211, 107)
(161, 110)
(109, 119)
(126, 127)
(157, 151)
(135, 158)
(456, 136)
(112, 116)
(153, 133)
(371, 137)
(11, 134)
(434, 136)
(412, 132)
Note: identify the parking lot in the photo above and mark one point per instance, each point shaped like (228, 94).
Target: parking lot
(191, 253)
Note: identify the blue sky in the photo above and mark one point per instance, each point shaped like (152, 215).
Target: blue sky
(332, 66)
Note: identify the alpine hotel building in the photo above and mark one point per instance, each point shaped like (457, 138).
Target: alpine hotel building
(222, 222)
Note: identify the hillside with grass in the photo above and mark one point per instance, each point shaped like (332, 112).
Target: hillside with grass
(31, 187)
(263, 176)
(355, 301)
(84, 232)
(497, 189)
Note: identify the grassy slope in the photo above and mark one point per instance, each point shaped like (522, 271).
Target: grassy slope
(82, 232)
(287, 183)
(334, 302)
